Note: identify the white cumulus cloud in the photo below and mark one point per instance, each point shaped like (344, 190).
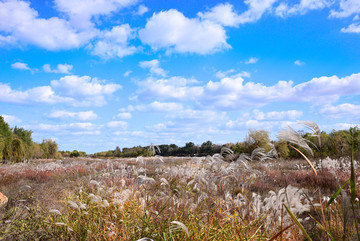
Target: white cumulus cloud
(347, 8)
(352, 28)
(11, 120)
(174, 32)
(85, 90)
(168, 88)
(124, 115)
(117, 125)
(225, 15)
(71, 89)
(114, 43)
(157, 106)
(252, 60)
(234, 93)
(63, 115)
(299, 63)
(21, 66)
(345, 110)
(284, 10)
(81, 12)
(142, 9)
(153, 66)
(60, 68)
(21, 23)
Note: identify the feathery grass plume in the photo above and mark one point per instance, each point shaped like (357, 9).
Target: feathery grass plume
(159, 158)
(154, 149)
(179, 226)
(95, 183)
(105, 203)
(314, 128)
(73, 205)
(140, 160)
(293, 137)
(227, 154)
(55, 211)
(273, 151)
(261, 154)
(82, 206)
(145, 179)
(164, 182)
(61, 224)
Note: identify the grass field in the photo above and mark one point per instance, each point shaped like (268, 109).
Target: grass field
(201, 198)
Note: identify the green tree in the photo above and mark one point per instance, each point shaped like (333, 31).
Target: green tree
(74, 153)
(282, 149)
(17, 150)
(256, 139)
(26, 139)
(5, 139)
(49, 149)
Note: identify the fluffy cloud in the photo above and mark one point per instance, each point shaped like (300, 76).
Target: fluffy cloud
(284, 10)
(124, 115)
(63, 115)
(277, 115)
(114, 43)
(347, 8)
(327, 89)
(220, 74)
(60, 68)
(127, 73)
(202, 116)
(42, 94)
(299, 63)
(256, 9)
(81, 12)
(82, 128)
(252, 60)
(11, 120)
(352, 28)
(157, 106)
(176, 33)
(153, 66)
(233, 93)
(85, 90)
(346, 110)
(117, 125)
(224, 13)
(21, 23)
(142, 9)
(170, 88)
(21, 66)
(72, 90)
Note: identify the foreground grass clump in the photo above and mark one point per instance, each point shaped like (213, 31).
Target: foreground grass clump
(174, 199)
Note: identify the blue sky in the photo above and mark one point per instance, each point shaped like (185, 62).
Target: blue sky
(94, 74)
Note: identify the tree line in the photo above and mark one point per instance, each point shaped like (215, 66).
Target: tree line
(334, 144)
(16, 145)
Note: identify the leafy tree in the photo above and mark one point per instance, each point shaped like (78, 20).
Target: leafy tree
(190, 148)
(26, 139)
(75, 153)
(17, 150)
(282, 149)
(49, 149)
(206, 148)
(5, 139)
(117, 151)
(256, 139)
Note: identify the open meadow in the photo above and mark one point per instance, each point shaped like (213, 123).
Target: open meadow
(176, 198)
